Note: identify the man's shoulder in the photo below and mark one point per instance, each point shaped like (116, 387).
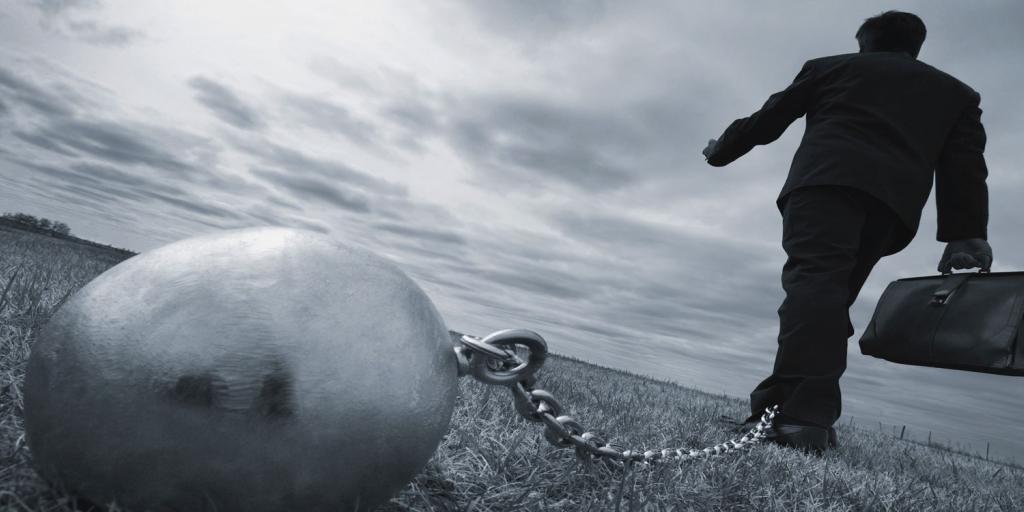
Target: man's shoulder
(841, 58)
(834, 58)
(868, 57)
(960, 84)
(819, 62)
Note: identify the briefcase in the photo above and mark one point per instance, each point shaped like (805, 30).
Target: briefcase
(965, 321)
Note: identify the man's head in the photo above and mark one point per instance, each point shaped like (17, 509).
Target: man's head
(892, 31)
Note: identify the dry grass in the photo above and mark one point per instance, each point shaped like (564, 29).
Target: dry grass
(493, 460)
(37, 274)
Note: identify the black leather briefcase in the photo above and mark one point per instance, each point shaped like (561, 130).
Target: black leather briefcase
(966, 321)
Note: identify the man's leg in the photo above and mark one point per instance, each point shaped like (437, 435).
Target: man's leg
(833, 237)
(883, 234)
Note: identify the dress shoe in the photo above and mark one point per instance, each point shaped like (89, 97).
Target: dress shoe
(744, 427)
(807, 438)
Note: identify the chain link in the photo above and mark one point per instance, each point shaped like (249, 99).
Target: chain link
(494, 360)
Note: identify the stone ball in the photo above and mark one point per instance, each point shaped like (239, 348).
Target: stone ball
(256, 369)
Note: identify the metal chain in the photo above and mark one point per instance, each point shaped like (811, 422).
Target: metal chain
(494, 360)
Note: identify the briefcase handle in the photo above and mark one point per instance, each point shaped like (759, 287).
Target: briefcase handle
(949, 286)
(980, 271)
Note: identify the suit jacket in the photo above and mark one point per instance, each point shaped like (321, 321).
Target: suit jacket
(885, 123)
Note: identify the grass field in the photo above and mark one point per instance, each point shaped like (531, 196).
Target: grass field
(493, 460)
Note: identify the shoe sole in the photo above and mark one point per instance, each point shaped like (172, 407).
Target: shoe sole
(832, 440)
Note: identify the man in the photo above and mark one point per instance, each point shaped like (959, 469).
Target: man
(880, 126)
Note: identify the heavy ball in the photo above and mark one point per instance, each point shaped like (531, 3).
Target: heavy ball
(258, 369)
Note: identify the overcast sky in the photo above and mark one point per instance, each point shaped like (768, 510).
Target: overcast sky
(531, 164)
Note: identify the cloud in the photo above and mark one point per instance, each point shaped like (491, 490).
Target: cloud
(330, 118)
(343, 76)
(100, 186)
(305, 186)
(188, 204)
(26, 93)
(95, 158)
(302, 164)
(538, 280)
(414, 116)
(104, 35)
(380, 79)
(56, 7)
(66, 124)
(86, 198)
(283, 203)
(531, 19)
(428, 236)
(42, 142)
(277, 219)
(416, 121)
(117, 179)
(407, 110)
(61, 175)
(62, 17)
(667, 247)
(73, 153)
(657, 278)
(627, 234)
(519, 137)
(318, 227)
(589, 141)
(225, 104)
(123, 143)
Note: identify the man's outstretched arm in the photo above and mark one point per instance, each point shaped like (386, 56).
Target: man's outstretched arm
(765, 125)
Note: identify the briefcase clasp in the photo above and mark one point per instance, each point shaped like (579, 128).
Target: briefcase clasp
(940, 297)
(951, 283)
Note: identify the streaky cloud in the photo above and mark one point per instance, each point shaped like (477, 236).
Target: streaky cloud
(331, 118)
(56, 7)
(225, 104)
(304, 186)
(35, 97)
(62, 17)
(104, 35)
(300, 163)
(520, 139)
(114, 142)
(45, 143)
(430, 235)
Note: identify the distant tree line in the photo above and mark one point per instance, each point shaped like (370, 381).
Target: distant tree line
(38, 223)
(55, 229)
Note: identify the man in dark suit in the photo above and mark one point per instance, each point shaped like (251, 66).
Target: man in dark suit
(881, 125)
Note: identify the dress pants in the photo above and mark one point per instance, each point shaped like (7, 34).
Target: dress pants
(833, 236)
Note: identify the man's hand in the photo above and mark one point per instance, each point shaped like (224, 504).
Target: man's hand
(967, 253)
(710, 149)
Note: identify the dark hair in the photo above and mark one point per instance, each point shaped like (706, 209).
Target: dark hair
(892, 31)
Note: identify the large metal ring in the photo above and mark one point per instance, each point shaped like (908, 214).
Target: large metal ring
(561, 430)
(536, 403)
(543, 398)
(477, 345)
(509, 338)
